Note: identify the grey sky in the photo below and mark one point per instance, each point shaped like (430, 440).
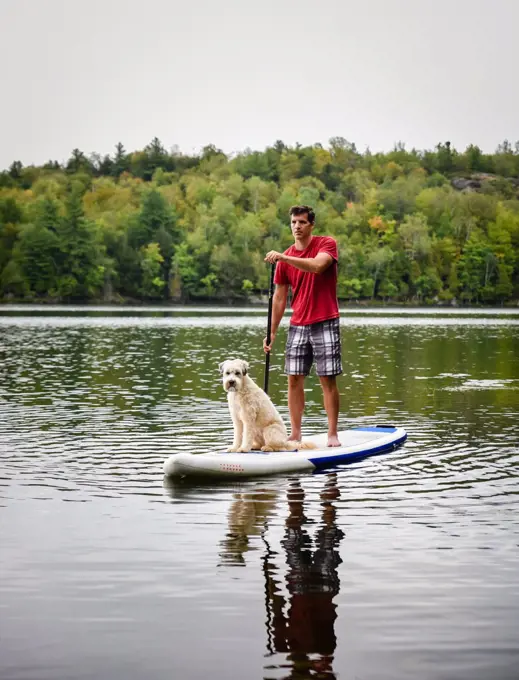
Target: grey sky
(241, 73)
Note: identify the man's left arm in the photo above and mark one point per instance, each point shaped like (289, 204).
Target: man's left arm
(314, 265)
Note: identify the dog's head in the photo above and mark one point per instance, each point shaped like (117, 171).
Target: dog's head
(233, 372)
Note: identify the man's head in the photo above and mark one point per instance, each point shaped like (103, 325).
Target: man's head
(298, 210)
(302, 219)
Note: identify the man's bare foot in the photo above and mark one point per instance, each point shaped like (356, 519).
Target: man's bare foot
(294, 437)
(333, 440)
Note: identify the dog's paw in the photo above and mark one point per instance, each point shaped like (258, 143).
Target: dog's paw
(243, 449)
(267, 449)
(232, 449)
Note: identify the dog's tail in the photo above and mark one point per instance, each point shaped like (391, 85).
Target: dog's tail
(300, 446)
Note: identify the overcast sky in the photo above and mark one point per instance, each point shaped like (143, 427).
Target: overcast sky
(242, 73)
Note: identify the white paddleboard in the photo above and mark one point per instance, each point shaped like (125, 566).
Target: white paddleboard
(356, 443)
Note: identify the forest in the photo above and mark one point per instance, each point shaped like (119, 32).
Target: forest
(156, 226)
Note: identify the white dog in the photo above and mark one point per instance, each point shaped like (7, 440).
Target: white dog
(257, 424)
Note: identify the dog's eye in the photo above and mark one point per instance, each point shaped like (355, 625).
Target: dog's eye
(227, 372)
(238, 373)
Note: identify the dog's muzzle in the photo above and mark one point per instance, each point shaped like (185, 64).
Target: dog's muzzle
(230, 386)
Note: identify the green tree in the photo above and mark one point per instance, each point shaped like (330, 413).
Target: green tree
(377, 263)
(476, 266)
(81, 273)
(414, 232)
(186, 274)
(11, 215)
(39, 252)
(121, 161)
(78, 162)
(151, 261)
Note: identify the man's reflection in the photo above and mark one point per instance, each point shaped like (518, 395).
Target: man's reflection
(302, 623)
(300, 610)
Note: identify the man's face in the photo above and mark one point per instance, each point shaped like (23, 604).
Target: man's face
(301, 227)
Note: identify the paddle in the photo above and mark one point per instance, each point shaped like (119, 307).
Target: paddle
(269, 328)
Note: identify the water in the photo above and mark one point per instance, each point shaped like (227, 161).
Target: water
(401, 566)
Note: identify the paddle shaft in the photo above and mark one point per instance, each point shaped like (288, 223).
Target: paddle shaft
(269, 328)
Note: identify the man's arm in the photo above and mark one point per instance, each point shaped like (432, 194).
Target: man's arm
(279, 303)
(314, 265)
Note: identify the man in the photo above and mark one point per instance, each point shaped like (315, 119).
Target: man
(309, 268)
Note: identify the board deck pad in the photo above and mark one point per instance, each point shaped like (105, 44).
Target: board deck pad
(356, 443)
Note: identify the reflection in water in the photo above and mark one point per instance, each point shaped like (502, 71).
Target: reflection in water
(300, 612)
(302, 622)
(248, 517)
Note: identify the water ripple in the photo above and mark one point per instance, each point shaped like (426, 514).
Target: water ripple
(407, 561)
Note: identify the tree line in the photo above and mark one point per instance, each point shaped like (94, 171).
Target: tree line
(412, 226)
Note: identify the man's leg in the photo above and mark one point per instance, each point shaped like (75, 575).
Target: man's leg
(331, 405)
(298, 361)
(296, 404)
(326, 344)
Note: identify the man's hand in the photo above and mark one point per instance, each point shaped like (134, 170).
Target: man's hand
(268, 348)
(273, 256)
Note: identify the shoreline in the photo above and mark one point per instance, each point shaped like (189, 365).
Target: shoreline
(256, 307)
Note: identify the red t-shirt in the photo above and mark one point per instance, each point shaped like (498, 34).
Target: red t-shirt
(314, 296)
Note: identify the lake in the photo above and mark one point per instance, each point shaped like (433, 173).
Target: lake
(401, 566)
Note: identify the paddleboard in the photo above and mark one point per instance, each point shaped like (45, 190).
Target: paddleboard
(356, 443)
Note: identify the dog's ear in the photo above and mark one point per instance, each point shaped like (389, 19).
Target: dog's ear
(220, 366)
(244, 367)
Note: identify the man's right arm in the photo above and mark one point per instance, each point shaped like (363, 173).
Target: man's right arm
(279, 303)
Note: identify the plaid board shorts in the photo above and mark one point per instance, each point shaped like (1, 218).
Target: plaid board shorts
(319, 342)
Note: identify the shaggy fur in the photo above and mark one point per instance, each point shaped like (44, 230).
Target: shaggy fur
(257, 424)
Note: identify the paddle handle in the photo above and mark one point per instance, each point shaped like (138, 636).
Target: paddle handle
(269, 328)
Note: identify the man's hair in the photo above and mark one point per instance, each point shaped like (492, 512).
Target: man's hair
(301, 210)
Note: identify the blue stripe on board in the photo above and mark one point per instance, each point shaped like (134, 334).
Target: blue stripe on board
(376, 428)
(338, 459)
